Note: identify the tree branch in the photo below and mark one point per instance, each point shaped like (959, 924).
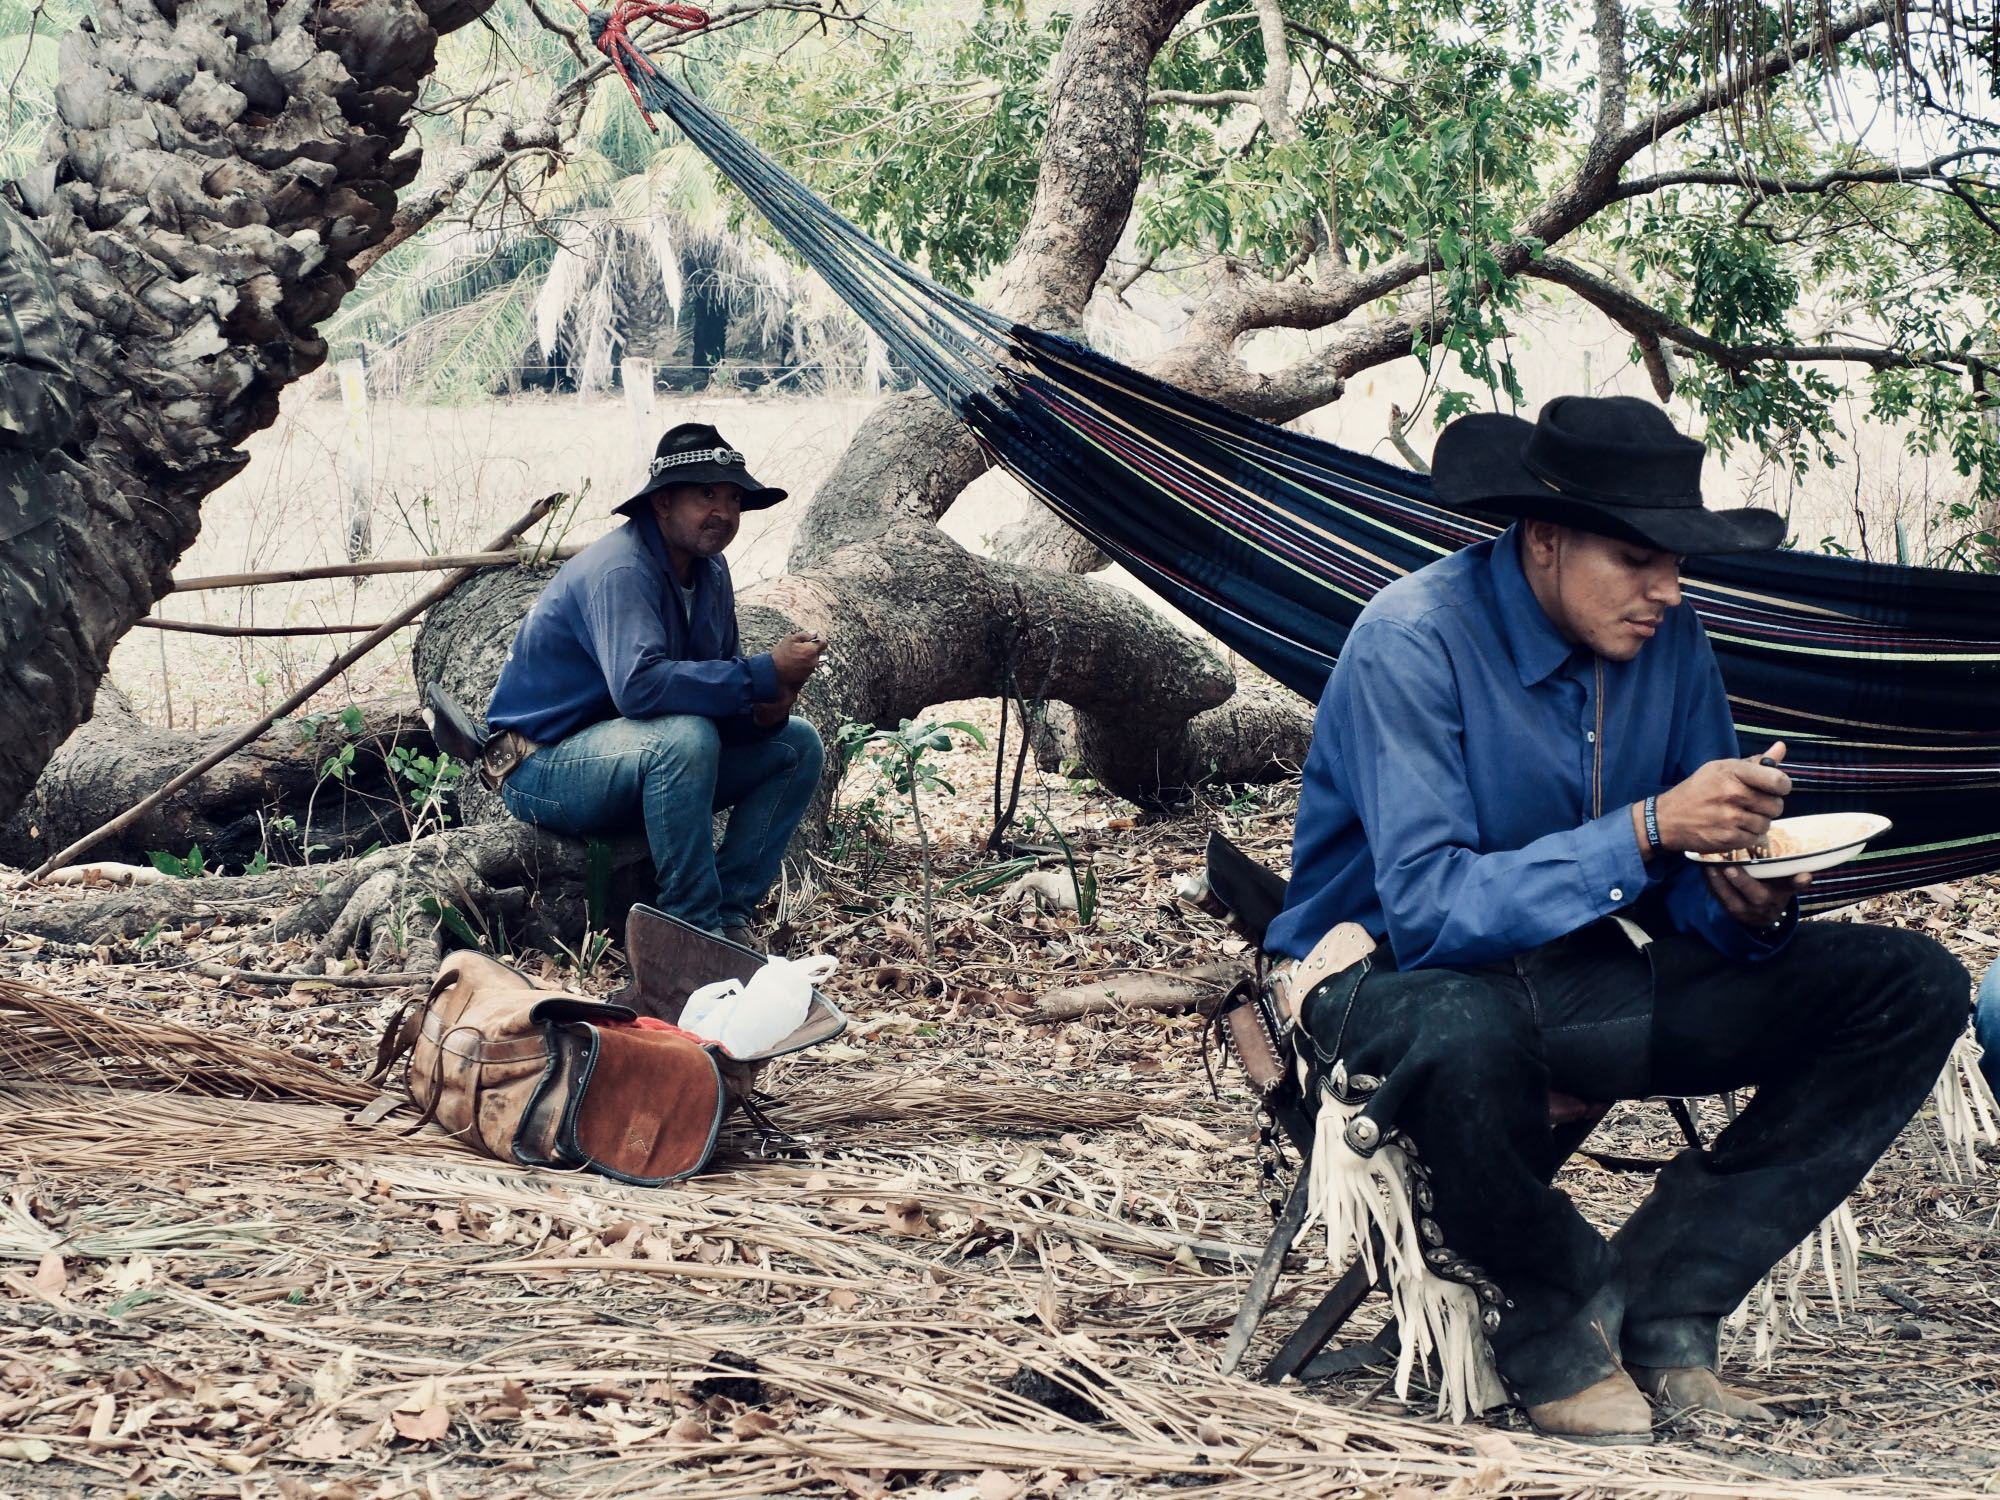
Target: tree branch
(1618, 309)
(1275, 99)
(1207, 361)
(1399, 434)
(1895, 174)
(1643, 320)
(1216, 100)
(1090, 159)
(1346, 54)
(1613, 81)
(1768, 68)
(506, 137)
(498, 144)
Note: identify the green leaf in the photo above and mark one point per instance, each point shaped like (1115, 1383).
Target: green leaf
(450, 918)
(970, 731)
(980, 882)
(139, 1296)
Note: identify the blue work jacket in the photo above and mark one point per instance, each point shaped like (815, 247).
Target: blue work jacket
(1458, 753)
(612, 637)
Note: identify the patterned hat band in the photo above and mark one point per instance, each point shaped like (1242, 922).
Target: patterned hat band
(727, 458)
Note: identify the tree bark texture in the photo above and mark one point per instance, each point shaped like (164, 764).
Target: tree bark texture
(215, 168)
(238, 809)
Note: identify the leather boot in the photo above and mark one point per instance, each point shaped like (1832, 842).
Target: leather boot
(1697, 1388)
(1611, 1411)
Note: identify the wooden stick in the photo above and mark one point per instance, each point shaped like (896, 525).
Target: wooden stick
(341, 663)
(196, 627)
(361, 981)
(490, 557)
(1138, 990)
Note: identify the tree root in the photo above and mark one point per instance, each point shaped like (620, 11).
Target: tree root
(1260, 733)
(500, 886)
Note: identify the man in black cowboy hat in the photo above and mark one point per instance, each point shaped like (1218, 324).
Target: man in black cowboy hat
(1516, 750)
(624, 699)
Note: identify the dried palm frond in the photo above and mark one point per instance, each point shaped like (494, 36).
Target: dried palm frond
(1967, 1113)
(51, 1038)
(1780, 1302)
(134, 1232)
(67, 1129)
(1004, 1108)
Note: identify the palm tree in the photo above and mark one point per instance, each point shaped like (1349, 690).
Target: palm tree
(583, 259)
(30, 35)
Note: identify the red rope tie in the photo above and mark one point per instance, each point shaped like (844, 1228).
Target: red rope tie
(616, 44)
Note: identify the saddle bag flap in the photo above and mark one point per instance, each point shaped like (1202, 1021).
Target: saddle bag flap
(671, 960)
(646, 1106)
(560, 1008)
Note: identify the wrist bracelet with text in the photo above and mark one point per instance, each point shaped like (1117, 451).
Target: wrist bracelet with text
(1652, 817)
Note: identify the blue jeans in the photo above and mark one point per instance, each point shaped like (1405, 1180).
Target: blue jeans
(1986, 1021)
(675, 774)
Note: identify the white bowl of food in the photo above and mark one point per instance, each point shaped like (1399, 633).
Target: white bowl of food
(1799, 846)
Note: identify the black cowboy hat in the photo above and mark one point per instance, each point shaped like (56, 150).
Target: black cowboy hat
(1611, 465)
(694, 453)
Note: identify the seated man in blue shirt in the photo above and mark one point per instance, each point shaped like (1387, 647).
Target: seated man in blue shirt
(1516, 749)
(626, 702)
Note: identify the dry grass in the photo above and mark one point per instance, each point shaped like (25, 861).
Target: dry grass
(212, 1296)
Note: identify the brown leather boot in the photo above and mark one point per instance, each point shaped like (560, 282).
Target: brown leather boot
(1611, 1411)
(1697, 1388)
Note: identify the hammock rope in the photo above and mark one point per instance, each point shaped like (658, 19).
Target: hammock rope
(1884, 681)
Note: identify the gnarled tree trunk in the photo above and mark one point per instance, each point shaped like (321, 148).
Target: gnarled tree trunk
(216, 169)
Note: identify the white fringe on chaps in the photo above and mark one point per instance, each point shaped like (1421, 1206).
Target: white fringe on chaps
(1354, 1194)
(1967, 1115)
(1966, 1109)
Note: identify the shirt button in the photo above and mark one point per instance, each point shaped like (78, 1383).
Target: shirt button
(1590, 736)
(1617, 893)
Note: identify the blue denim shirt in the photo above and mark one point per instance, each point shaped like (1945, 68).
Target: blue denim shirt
(1448, 794)
(610, 637)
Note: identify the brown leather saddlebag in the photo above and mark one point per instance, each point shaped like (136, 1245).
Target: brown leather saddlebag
(547, 1079)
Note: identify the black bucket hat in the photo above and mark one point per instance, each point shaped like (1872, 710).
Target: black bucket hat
(1611, 465)
(694, 453)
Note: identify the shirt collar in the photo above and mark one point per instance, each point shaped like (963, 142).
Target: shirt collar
(1538, 649)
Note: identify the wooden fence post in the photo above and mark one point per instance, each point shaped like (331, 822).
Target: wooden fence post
(636, 375)
(356, 460)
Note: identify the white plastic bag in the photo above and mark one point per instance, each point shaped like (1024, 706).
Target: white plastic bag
(708, 1007)
(746, 1020)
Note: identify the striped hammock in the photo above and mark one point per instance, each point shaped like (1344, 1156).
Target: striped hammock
(1883, 681)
